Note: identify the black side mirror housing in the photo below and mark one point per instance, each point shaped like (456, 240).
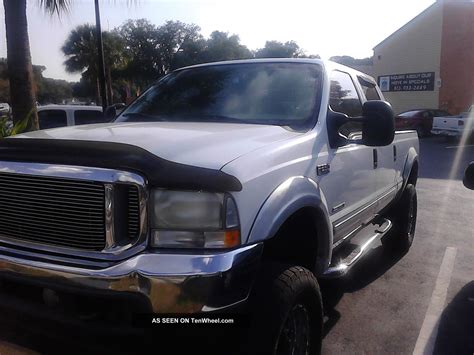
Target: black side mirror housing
(377, 120)
(468, 180)
(110, 113)
(378, 123)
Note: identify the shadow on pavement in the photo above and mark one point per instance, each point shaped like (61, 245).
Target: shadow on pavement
(49, 337)
(376, 263)
(456, 326)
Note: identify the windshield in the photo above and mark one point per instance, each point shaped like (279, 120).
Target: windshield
(283, 94)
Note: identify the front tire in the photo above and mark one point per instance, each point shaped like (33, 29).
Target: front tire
(288, 312)
(404, 216)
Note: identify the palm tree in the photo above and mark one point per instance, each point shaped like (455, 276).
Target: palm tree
(20, 70)
(81, 51)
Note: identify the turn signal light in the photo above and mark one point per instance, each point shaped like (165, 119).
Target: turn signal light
(232, 238)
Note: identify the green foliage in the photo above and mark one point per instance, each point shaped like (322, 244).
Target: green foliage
(142, 46)
(48, 91)
(350, 61)
(138, 52)
(55, 6)
(80, 49)
(8, 128)
(275, 49)
(53, 91)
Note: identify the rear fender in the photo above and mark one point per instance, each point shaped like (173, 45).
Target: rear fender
(412, 158)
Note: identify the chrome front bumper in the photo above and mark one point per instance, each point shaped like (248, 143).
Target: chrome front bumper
(168, 282)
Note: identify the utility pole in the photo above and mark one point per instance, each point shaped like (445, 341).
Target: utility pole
(101, 64)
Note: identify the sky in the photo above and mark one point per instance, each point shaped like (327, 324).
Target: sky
(324, 27)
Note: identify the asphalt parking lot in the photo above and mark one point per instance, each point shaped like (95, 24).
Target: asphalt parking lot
(388, 304)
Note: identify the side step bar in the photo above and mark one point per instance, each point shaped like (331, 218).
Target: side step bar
(368, 237)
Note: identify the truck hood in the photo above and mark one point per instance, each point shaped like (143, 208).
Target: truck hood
(207, 145)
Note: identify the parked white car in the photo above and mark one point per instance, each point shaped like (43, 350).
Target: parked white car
(454, 126)
(55, 116)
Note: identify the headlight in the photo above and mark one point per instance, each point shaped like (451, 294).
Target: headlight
(185, 219)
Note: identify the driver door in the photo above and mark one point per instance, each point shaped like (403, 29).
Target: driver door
(350, 187)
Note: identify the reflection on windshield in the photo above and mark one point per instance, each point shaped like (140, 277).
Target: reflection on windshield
(260, 93)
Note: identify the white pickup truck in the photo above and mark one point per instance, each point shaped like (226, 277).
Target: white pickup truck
(230, 186)
(454, 126)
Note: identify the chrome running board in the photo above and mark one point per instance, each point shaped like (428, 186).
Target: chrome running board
(368, 236)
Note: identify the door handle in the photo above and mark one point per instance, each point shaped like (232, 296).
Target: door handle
(376, 162)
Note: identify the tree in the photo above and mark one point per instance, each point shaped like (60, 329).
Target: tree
(275, 49)
(190, 52)
(115, 58)
(53, 91)
(141, 42)
(221, 46)
(153, 50)
(47, 90)
(4, 83)
(350, 61)
(170, 39)
(84, 90)
(22, 94)
(81, 51)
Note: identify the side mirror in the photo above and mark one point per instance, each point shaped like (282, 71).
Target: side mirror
(110, 113)
(468, 180)
(378, 123)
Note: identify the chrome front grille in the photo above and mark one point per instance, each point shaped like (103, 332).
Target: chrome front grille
(79, 211)
(133, 202)
(61, 212)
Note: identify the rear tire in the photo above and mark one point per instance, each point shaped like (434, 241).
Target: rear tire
(404, 218)
(287, 312)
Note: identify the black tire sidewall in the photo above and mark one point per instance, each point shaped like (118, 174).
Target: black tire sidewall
(409, 197)
(403, 238)
(278, 290)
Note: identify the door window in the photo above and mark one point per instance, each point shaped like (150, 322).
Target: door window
(343, 96)
(344, 99)
(82, 117)
(369, 89)
(52, 119)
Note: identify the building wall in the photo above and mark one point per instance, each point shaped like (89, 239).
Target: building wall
(457, 56)
(414, 48)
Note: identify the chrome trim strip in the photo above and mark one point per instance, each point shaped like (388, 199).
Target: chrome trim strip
(109, 216)
(347, 236)
(71, 172)
(363, 208)
(109, 177)
(338, 207)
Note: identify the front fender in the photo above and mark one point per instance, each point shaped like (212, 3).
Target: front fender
(289, 197)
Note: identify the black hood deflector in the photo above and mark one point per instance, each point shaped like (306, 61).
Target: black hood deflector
(159, 172)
